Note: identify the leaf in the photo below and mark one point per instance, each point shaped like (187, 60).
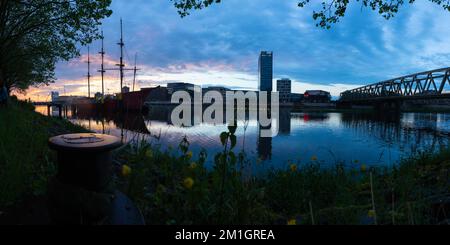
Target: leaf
(224, 137)
(232, 129)
(233, 140)
(233, 158)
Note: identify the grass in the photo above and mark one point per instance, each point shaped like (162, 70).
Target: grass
(174, 187)
(25, 159)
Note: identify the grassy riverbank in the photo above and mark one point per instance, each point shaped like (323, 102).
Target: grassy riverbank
(175, 187)
(25, 160)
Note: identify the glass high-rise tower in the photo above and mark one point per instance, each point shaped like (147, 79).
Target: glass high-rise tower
(265, 65)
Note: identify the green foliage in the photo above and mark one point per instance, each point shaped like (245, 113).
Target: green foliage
(174, 187)
(331, 12)
(25, 160)
(38, 33)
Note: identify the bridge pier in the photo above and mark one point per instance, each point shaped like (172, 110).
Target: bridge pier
(60, 110)
(388, 106)
(343, 105)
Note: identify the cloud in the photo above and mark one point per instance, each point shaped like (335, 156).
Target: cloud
(220, 45)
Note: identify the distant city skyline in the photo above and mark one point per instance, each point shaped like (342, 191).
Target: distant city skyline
(211, 47)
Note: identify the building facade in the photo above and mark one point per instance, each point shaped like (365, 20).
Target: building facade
(158, 94)
(284, 89)
(317, 96)
(55, 96)
(297, 98)
(222, 90)
(265, 67)
(175, 87)
(125, 89)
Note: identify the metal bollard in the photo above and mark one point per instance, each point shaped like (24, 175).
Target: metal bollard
(82, 191)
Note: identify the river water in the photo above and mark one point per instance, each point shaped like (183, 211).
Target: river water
(351, 137)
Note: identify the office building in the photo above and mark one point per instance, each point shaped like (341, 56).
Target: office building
(265, 66)
(284, 89)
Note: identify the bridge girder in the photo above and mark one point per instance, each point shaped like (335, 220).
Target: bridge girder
(429, 84)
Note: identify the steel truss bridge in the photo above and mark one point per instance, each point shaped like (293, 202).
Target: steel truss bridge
(424, 85)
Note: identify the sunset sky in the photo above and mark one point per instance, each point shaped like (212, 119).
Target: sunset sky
(220, 46)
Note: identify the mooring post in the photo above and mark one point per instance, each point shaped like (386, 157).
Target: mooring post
(82, 192)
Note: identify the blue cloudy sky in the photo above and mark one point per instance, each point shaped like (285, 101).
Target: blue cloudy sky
(220, 45)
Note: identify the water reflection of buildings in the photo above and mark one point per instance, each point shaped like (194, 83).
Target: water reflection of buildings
(285, 121)
(310, 116)
(264, 147)
(400, 129)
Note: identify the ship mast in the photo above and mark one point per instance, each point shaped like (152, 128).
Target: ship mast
(89, 74)
(135, 71)
(121, 64)
(102, 69)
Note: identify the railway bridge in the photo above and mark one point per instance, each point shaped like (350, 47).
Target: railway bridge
(425, 86)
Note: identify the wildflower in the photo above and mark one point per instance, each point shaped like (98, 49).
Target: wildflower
(189, 155)
(314, 158)
(363, 168)
(193, 166)
(293, 168)
(126, 171)
(292, 222)
(371, 213)
(188, 183)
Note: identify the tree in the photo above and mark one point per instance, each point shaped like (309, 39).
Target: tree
(330, 13)
(36, 34)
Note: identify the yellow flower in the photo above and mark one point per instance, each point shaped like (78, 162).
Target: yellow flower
(193, 165)
(363, 168)
(189, 155)
(292, 222)
(293, 168)
(371, 213)
(126, 170)
(188, 183)
(314, 158)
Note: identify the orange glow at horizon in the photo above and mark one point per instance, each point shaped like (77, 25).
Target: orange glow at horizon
(73, 88)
